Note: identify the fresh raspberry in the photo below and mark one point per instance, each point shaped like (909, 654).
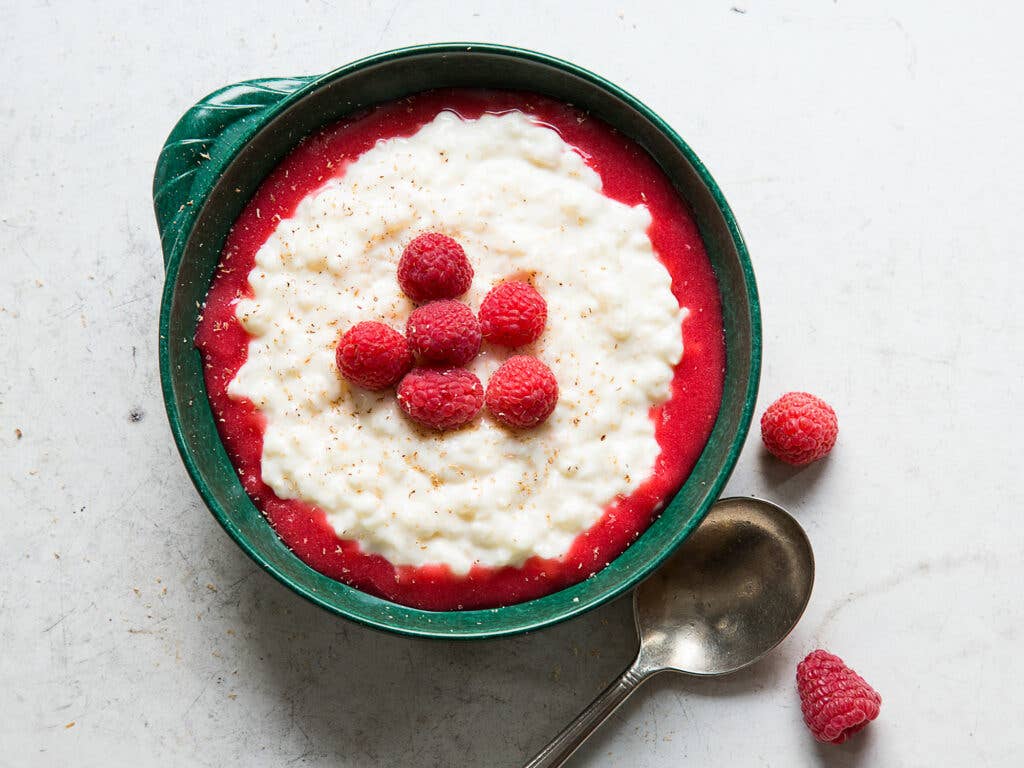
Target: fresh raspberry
(522, 392)
(433, 266)
(513, 314)
(441, 398)
(444, 332)
(799, 428)
(373, 356)
(835, 700)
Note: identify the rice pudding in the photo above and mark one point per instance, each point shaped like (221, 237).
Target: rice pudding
(482, 515)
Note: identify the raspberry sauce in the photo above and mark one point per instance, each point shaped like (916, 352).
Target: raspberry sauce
(683, 424)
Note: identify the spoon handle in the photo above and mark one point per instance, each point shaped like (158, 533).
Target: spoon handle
(600, 709)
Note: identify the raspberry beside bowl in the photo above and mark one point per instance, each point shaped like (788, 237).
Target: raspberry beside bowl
(222, 149)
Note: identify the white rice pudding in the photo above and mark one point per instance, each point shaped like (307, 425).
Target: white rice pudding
(522, 202)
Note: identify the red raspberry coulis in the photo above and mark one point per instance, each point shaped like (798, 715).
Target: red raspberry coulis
(683, 424)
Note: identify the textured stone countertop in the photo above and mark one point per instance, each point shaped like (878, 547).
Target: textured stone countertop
(872, 154)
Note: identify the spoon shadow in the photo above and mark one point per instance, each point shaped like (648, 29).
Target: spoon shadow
(770, 673)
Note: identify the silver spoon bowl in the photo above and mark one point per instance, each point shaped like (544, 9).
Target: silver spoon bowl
(732, 592)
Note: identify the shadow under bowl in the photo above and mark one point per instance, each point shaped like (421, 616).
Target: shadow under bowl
(223, 148)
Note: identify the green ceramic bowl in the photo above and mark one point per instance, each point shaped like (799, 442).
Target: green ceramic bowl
(225, 145)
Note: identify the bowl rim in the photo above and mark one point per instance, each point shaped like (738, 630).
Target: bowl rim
(480, 631)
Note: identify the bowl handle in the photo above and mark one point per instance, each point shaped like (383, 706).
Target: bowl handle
(205, 137)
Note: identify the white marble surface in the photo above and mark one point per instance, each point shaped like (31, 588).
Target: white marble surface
(872, 153)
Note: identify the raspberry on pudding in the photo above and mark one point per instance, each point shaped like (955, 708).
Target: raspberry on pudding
(444, 333)
(513, 314)
(441, 398)
(522, 393)
(434, 266)
(373, 356)
(601, 376)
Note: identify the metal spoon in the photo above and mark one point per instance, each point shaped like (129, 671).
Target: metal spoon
(734, 589)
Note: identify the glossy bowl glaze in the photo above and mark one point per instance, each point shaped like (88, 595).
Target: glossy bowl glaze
(214, 160)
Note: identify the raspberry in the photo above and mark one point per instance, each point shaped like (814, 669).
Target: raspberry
(513, 314)
(835, 700)
(433, 266)
(522, 392)
(441, 398)
(372, 355)
(799, 428)
(444, 332)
